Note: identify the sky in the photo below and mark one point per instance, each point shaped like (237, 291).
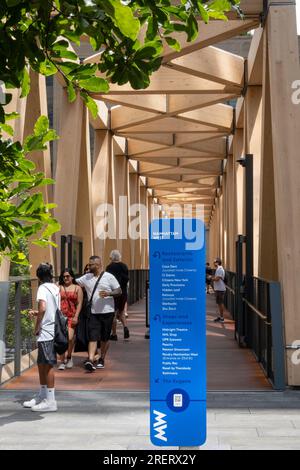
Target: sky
(298, 15)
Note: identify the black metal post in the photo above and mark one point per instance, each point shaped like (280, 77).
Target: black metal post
(249, 241)
(277, 352)
(239, 307)
(18, 338)
(63, 240)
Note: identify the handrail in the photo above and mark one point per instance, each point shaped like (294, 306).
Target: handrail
(230, 289)
(261, 315)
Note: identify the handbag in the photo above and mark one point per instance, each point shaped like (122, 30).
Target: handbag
(61, 332)
(82, 329)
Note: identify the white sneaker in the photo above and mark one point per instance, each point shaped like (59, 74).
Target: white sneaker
(45, 406)
(69, 364)
(62, 366)
(33, 402)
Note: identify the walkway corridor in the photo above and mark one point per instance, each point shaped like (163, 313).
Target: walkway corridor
(229, 368)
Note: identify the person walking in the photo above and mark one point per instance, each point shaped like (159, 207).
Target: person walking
(101, 287)
(208, 274)
(71, 304)
(220, 288)
(48, 299)
(120, 271)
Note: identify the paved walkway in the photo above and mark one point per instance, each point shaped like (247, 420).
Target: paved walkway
(127, 366)
(98, 420)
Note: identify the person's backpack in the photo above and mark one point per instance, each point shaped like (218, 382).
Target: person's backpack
(61, 332)
(225, 280)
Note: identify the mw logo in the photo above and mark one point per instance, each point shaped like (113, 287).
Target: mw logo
(160, 425)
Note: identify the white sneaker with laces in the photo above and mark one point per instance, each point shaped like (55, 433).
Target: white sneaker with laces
(33, 402)
(45, 406)
(69, 364)
(62, 366)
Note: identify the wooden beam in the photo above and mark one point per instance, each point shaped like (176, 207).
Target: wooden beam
(252, 7)
(189, 140)
(239, 115)
(219, 116)
(169, 125)
(137, 147)
(213, 64)
(183, 103)
(173, 152)
(124, 116)
(209, 34)
(168, 81)
(215, 147)
(156, 140)
(255, 59)
(151, 103)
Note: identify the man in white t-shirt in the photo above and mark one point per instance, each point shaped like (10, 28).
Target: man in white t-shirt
(48, 299)
(219, 288)
(102, 309)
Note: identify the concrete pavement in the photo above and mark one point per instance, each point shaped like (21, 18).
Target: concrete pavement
(96, 420)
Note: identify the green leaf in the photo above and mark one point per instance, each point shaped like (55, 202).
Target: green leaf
(192, 30)
(6, 128)
(95, 84)
(47, 68)
(125, 20)
(27, 165)
(90, 103)
(25, 84)
(41, 126)
(71, 92)
(10, 116)
(149, 50)
(173, 43)
(52, 228)
(218, 15)
(203, 12)
(138, 79)
(13, 3)
(220, 5)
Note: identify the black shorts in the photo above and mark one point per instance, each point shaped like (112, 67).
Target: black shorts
(220, 297)
(100, 325)
(120, 302)
(46, 353)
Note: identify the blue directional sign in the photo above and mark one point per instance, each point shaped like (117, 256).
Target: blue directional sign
(177, 332)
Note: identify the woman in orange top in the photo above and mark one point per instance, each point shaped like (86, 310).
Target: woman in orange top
(71, 304)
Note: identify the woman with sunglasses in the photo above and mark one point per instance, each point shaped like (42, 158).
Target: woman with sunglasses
(71, 305)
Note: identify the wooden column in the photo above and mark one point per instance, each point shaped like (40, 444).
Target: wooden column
(68, 166)
(84, 217)
(284, 69)
(36, 105)
(232, 216)
(268, 258)
(102, 193)
(144, 225)
(238, 152)
(134, 198)
(253, 146)
(120, 189)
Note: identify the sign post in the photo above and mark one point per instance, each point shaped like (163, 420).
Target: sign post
(178, 332)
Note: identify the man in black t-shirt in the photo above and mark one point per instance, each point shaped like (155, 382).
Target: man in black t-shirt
(120, 271)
